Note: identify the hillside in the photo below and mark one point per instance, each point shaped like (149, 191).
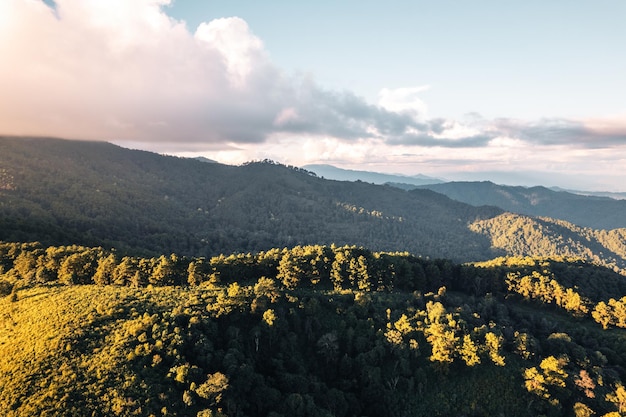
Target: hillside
(97, 194)
(68, 192)
(587, 211)
(391, 335)
(518, 235)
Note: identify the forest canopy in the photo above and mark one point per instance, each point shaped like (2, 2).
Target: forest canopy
(310, 330)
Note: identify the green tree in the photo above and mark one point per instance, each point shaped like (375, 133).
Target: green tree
(469, 351)
(213, 388)
(494, 345)
(618, 398)
(105, 270)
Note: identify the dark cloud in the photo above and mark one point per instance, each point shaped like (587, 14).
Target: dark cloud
(562, 132)
(345, 115)
(428, 140)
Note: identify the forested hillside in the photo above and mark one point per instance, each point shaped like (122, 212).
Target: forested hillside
(65, 192)
(517, 235)
(307, 331)
(587, 211)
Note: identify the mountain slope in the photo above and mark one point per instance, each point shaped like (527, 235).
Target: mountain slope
(587, 211)
(517, 235)
(97, 194)
(68, 192)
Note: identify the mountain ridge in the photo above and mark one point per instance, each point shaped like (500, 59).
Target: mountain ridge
(340, 174)
(97, 194)
(589, 211)
(100, 194)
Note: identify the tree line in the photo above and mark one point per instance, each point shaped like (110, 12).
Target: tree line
(315, 267)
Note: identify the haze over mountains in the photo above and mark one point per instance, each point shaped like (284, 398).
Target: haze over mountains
(334, 173)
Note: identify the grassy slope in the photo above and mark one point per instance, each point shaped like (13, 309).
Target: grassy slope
(65, 350)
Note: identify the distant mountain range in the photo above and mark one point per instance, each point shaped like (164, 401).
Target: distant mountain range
(589, 209)
(98, 194)
(333, 173)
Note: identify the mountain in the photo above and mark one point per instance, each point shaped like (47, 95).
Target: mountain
(589, 211)
(203, 159)
(340, 174)
(96, 194)
(517, 235)
(610, 194)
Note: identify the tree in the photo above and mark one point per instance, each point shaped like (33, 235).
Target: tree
(269, 317)
(288, 271)
(585, 383)
(213, 388)
(105, 270)
(25, 264)
(266, 287)
(469, 351)
(124, 271)
(602, 314)
(619, 311)
(494, 344)
(78, 268)
(553, 370)
(581, 410)
(535, 382)
(618, 397)
(164, 271)
(328, 346)
(193, 277)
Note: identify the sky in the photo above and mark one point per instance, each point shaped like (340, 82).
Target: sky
(520, 93)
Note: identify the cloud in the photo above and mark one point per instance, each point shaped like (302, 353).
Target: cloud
(124, 71)
(404, 99)
(593, 134)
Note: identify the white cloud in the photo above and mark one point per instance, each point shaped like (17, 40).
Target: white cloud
(124, 71)
(404, 99)
(240, 50)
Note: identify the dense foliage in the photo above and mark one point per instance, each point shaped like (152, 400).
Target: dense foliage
(311, 331)
(517, 235)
